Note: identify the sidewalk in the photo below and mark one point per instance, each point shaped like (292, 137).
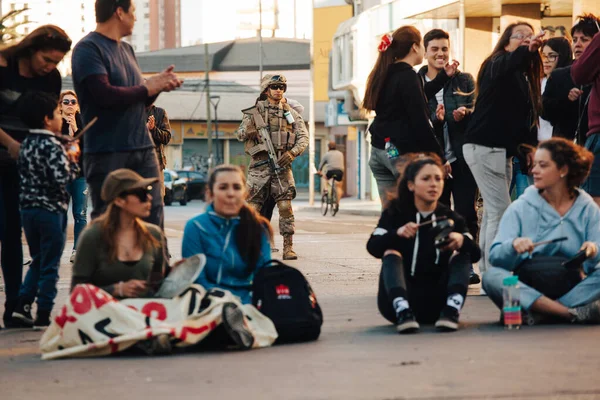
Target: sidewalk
(348, 206)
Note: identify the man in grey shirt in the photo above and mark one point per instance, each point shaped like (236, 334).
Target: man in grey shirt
(333, 161)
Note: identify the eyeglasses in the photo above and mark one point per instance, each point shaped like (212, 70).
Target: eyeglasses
(277, 87)
(141, 193)
(520, 36)
(66, 102)
(550, 57)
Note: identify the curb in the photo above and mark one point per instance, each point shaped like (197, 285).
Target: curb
(351, 211)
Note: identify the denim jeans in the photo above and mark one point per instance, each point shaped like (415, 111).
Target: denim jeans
(79, 195)
(46, 235)
(519, 181)
(587, 291)
(492, 172)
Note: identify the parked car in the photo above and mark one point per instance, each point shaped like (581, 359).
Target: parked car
(196, 184)
(175, 188)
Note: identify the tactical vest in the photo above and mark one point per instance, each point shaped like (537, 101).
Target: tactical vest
(281, 132)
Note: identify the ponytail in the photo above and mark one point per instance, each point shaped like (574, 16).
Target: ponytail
(250, 234)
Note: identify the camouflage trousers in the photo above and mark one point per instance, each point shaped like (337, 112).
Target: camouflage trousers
(263, 183)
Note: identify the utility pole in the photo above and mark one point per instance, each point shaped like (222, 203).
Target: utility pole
(260, 42)
(207, 98)
(311, 111)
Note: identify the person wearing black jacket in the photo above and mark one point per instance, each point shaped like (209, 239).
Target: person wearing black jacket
(566, 104)
(506, 114)
(29, 65)
(450, 111)
(420, 282)
(395, 92)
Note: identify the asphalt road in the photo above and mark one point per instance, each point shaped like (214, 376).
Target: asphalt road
(359, 355)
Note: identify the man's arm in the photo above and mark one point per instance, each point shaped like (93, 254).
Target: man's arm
(323, 162)
(301, 134)
(247, 130)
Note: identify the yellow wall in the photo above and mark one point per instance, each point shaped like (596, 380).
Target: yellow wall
(326, 21)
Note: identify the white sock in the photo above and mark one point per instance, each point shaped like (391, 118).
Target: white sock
(400, 304)
(455, 300)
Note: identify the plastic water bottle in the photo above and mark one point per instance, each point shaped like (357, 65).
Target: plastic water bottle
(512, 303)
(391, 150)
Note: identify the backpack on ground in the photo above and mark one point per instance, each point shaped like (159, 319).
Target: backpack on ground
(284, 295)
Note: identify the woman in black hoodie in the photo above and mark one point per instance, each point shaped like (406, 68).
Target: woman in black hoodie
(395, 92)
(419, 281)
(507, 109)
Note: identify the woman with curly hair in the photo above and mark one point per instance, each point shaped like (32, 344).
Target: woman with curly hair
(553, 208)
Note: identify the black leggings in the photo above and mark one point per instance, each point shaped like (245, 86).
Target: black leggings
(426, 297)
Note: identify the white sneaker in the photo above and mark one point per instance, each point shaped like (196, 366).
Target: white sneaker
(72, 259)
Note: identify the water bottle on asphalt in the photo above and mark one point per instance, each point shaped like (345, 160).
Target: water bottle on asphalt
(390, 149)
(512, 303)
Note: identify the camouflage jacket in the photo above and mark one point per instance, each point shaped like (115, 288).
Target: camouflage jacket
(284, 136)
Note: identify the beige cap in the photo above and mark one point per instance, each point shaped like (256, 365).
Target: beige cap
(123, 180)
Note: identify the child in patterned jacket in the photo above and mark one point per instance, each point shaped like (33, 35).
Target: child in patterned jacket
(45, 169)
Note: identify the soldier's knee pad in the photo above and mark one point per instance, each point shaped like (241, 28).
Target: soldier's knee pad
(285, 208)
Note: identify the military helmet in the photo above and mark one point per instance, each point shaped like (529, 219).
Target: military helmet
(271, 79)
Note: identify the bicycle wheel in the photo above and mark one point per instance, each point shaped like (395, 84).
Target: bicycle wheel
(324, 204)
(334, 203)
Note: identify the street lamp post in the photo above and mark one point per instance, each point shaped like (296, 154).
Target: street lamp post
(214, 100)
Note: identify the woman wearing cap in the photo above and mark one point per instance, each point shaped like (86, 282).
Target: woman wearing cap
(119, 252)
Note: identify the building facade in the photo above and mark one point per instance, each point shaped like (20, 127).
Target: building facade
(158, 25)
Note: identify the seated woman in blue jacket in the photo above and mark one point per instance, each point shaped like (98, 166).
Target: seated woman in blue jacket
(419, 281)
(553, 207)
(233, 237)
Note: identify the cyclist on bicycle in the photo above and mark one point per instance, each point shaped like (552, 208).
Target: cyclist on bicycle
(333, 161)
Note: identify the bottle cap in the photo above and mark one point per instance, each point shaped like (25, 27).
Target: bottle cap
(510, 280)
(387, 139)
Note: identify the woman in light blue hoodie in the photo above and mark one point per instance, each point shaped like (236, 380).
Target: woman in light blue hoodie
(553, 207)
(233, 237)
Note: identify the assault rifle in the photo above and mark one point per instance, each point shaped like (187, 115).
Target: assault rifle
(265, 138)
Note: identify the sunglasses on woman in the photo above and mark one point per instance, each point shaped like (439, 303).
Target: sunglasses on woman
(66, 102)
(141, 193)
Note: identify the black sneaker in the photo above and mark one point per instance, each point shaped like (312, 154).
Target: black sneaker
(406, 322)
(22, 314)
(474, 279)
(233, 321)
(448, 321)
(42, 320)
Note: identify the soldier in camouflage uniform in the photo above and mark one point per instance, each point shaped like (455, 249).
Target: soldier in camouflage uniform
(289, 140)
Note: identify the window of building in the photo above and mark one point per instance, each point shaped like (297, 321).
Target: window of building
(26, 31)
(12, 6)
(147, 16)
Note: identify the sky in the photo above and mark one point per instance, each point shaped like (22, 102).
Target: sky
(217, 20)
